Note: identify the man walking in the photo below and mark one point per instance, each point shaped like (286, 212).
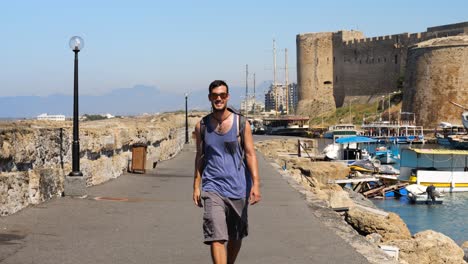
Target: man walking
(229, 180)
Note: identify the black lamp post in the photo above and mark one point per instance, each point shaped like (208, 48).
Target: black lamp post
(76, 44)
(186, 120)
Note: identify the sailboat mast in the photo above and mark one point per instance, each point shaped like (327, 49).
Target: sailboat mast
(274, 77)
(254, 98)
(286, 79)
(246, 89)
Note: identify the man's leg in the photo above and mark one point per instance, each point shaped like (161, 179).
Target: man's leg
(218, 252)
(233, 248)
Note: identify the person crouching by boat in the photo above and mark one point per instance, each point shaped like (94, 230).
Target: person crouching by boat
(432, 193)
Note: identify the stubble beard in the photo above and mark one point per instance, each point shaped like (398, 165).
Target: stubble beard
(215, 110)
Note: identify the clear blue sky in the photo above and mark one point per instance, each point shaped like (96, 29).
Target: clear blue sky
(181, 45)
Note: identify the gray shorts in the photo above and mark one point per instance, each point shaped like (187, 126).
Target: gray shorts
(224, 218)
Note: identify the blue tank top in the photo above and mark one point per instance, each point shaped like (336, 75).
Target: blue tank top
(225, 172)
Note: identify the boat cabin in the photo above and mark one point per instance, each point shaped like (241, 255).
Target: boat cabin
(446, 169)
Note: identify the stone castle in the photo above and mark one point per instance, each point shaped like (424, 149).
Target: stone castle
(430, 68)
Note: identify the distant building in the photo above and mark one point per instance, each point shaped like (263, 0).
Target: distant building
(251, 105)
(281, 99)
(51, 117)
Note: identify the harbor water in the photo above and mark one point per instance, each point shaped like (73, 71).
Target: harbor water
(448, 218)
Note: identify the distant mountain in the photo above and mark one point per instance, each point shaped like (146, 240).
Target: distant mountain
(126, 101)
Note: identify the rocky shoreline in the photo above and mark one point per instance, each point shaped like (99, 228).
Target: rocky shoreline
(352, 216)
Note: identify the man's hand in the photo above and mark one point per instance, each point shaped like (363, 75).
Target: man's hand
(255, 195)
(197, 197)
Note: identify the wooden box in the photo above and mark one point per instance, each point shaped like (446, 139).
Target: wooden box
(138, 158)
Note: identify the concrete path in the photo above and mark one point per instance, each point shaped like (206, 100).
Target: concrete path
(150, 218)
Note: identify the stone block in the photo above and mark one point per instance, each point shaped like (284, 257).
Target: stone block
(75, 186)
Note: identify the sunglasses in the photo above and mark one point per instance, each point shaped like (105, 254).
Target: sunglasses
(214, 96)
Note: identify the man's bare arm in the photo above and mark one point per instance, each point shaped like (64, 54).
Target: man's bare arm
(198, 168)
(251, 157)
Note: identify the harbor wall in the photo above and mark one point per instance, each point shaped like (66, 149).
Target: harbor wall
(35, 156)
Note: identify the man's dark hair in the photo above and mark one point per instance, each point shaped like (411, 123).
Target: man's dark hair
(217, 83)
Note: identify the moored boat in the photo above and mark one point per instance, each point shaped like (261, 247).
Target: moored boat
(401, 131)
(348, 149)
(417, 194)
(447, 130)
(340, 130)
(287, 125)
(385, 155)
(446, 169)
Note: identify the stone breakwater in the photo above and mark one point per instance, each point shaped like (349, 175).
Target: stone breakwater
(364, 226)
(35, 156)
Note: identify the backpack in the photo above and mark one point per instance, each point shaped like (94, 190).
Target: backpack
(240, 132)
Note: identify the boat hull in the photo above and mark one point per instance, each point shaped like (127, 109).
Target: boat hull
(459, 144)
(444, 181)
(423, 199)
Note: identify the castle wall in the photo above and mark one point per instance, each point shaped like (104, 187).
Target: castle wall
(363, 68)
(437, 74)
(371, 66)
(315, 73)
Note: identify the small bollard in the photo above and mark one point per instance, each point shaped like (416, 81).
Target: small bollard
(299, 148)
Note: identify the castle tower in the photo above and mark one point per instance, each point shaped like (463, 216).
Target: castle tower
(437, 72)
(315, 73)
(319, 68)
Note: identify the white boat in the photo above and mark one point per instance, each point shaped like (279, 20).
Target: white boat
(348, 149)
(386, 157)
(399, 131)
(446, 169)
(341, 130)
(460, 141)
(417, 194)
(446, 131)
(286, 125)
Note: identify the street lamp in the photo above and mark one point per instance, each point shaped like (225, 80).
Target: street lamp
(76, 44)
(186, 119)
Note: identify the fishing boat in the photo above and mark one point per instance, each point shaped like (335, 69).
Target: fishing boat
(401, 131)
(287, 125)
(418, 195)
(447, 131)
(348, 149)
(446, 169)
(341, 130)
(386, 156)
(460, 141)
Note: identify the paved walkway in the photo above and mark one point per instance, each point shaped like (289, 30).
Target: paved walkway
(156, 222)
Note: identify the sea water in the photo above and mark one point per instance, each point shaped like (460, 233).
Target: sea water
(448, 218)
